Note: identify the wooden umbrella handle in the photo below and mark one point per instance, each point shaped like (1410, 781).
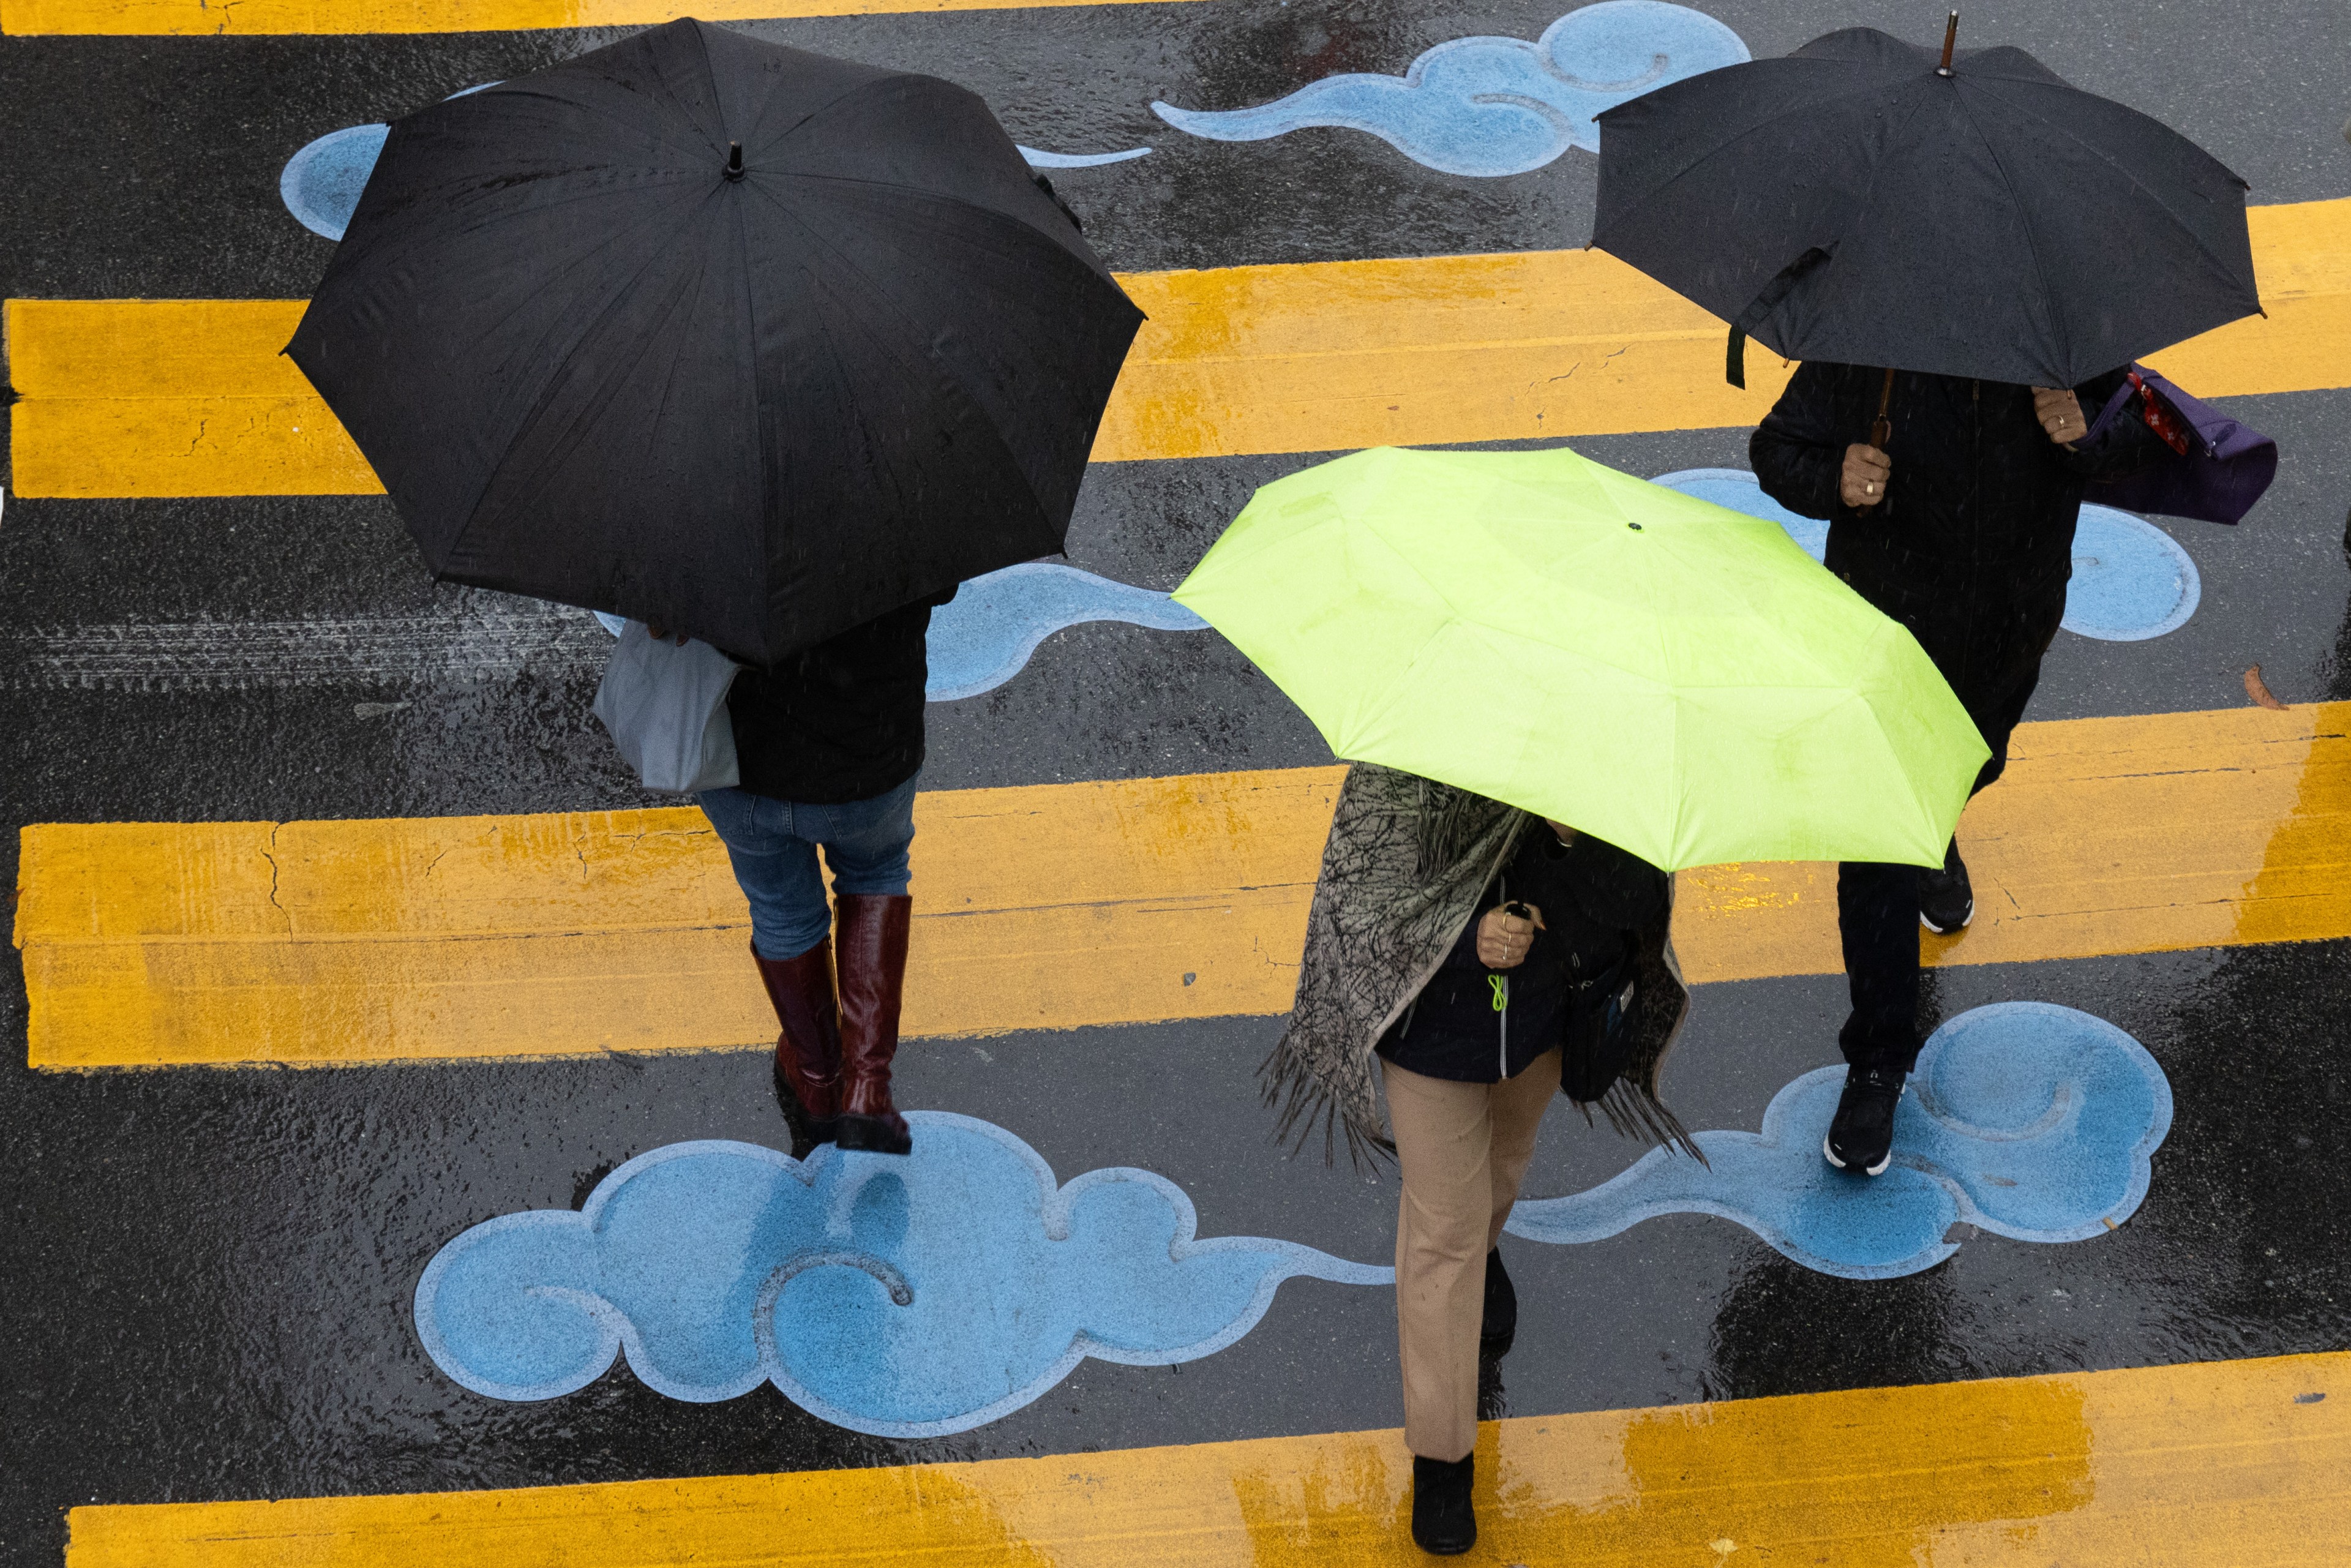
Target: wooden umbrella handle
(1881, 430)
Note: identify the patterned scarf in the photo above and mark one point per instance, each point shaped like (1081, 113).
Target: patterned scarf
(1407, 860)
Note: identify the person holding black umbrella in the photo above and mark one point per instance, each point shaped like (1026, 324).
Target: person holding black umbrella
(829, 747)
(763, 348)
(1967, 538)
(1967, 253)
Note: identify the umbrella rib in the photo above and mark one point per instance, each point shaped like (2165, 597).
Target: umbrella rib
(709, 77)
(685, 178)
(843, 95)
(950, 198)
(539, 403)
(528, 89)
(611, 242)
(849, 266)
(2024, 224)
(1731, 139)
(2152, 193)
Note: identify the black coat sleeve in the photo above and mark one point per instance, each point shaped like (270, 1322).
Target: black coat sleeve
(1798, 452)
(1613, 888)
(2125, 447)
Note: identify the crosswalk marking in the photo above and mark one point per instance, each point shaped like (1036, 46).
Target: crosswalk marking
(1050, 906)
(2241, 1462)
(138, 398)
(170, 397)
(243, 18)
(1041, 906)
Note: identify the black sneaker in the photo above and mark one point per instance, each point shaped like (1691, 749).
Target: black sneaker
(1443, 1524)
(1499, 1323)
(1861, 1136)
(1947, 902)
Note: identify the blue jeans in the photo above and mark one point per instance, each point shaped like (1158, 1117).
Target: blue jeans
(773, 844)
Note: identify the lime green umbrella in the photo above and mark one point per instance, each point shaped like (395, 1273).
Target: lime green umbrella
(1676, 678)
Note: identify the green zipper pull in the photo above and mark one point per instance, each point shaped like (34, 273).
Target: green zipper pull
(1501, 987)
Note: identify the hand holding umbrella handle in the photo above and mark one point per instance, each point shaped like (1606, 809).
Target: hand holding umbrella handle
(1861, 484)
(1506, 932)
(1867, 468)
(2060, 413)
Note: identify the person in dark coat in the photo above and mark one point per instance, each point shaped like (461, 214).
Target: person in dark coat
(829, 747)
(1960, 527)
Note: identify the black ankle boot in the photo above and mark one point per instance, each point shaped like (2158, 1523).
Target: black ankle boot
(1443, 1524)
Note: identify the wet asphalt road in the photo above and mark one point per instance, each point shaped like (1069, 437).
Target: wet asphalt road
(207, 1274)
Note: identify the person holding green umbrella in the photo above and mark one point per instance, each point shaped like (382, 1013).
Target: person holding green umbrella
(1558, 685)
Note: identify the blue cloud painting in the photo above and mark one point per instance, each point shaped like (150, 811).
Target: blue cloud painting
(320, 184)
(2024, 1118)
(984, 636)
(904, 1297)
(920, 1296)
(2131, 579)
(1490, 107)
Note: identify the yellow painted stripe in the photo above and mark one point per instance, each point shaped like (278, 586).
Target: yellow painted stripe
(2179, 1466)
(2105, 836)
(1050, 906)
(240, 17)
(1046, 906)
(191, 398)
(170, 397)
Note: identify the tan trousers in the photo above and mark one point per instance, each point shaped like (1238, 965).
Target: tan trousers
(1464, 1148)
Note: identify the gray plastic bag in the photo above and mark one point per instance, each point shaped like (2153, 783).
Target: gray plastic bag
(665, 706)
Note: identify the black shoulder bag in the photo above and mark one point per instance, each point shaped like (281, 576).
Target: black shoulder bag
(1601, 1005)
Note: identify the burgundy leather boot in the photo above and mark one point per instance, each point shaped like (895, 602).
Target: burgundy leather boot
(808, 1051)
(871, 931)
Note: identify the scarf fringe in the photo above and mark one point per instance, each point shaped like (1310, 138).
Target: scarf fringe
(1636, 1113)
(1290, 1087)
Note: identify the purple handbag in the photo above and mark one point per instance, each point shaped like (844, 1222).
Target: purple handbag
(2215, 470)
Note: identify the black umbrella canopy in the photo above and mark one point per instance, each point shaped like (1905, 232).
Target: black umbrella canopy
(1853, 203)
(729, 337)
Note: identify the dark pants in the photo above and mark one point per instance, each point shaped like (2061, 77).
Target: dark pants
(1877, 904)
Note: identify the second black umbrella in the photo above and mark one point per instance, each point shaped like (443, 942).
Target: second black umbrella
(1865, 200)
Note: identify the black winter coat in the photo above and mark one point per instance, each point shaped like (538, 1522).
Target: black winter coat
(1594, 899)
(841, 721)
(1974, 544)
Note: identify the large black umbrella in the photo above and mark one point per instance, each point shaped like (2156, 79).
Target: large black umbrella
(729, 337)
(1862, 202)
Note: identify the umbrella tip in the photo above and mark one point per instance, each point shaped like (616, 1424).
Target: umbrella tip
(734, 160)
(1951, 36)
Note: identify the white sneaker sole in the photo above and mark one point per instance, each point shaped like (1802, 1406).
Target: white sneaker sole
(1878, 1169)
(1938, 931)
